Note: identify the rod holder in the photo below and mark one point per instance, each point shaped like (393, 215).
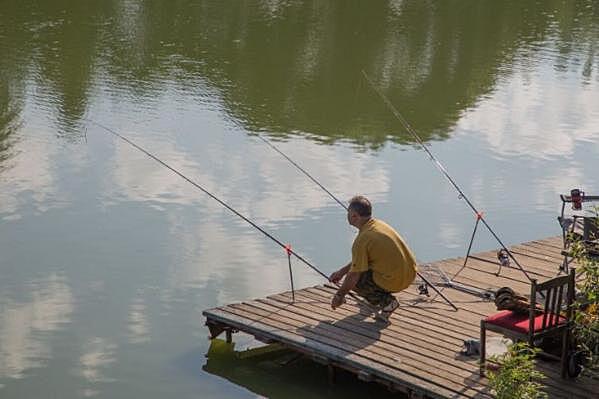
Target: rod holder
(288, 251)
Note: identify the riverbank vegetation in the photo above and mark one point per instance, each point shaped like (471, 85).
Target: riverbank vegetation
(586, 306)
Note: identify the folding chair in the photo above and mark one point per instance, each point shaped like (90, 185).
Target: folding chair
(539, 322)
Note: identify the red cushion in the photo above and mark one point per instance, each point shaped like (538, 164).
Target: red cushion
(517, 321)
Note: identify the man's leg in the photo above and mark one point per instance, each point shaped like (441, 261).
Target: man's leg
(377, 296)
(369, 290)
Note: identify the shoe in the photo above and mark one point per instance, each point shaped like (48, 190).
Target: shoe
(386, 311)
(471, 347)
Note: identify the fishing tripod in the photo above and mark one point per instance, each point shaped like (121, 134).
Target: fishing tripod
(449, 282)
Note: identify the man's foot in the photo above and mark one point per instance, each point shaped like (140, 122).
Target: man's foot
(385, 312)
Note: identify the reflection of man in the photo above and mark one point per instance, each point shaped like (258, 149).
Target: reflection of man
(381, 261)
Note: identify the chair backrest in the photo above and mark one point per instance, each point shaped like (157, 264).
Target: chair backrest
(554, 293)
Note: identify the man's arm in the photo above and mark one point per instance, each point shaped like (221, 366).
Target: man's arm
(350, 281)
(338, 275)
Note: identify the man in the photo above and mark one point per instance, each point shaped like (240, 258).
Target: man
(381, 262)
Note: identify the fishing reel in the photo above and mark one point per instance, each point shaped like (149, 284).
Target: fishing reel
(503, 257)
(423, 289)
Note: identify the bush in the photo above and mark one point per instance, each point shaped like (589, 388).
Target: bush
(517, 377)
(586, 307)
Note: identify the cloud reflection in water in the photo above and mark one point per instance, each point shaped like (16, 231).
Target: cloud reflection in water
(47, 309)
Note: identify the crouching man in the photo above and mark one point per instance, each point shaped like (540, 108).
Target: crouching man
(381, 262)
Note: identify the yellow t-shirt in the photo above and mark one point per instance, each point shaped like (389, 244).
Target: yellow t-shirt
(380, 248)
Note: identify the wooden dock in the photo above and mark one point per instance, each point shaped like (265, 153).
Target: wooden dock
(419, 352)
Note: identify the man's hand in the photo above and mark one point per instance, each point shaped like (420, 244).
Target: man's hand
(337, 276)
(337, 301)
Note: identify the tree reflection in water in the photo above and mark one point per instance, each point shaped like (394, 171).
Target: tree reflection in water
(289, 67)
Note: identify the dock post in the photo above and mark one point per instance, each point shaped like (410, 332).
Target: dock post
(332, 374)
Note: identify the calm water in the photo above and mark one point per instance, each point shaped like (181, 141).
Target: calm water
(108, 259)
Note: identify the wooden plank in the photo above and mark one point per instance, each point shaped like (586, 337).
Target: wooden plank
(401, 320)
(443, 375)
(543, 249)
(415, 337)
(581, 387)
(529, 261)
(549, 259)
(338, 357)
(555, 244)
(333, 349)
(419, 342)
(474, 332)
(555, 386)
(447, 320)
(389, 347)
(285, 304)
(351, 320)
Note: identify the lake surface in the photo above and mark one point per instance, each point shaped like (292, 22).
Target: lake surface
(108, 258)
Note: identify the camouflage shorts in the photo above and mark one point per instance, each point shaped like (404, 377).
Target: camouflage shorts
(367, 288)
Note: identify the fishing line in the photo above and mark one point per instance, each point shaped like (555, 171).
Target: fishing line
(287, 248)
(302, 170)
(441, 168)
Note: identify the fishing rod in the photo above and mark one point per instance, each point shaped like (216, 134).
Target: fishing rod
(441, 168)
(287, 248)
